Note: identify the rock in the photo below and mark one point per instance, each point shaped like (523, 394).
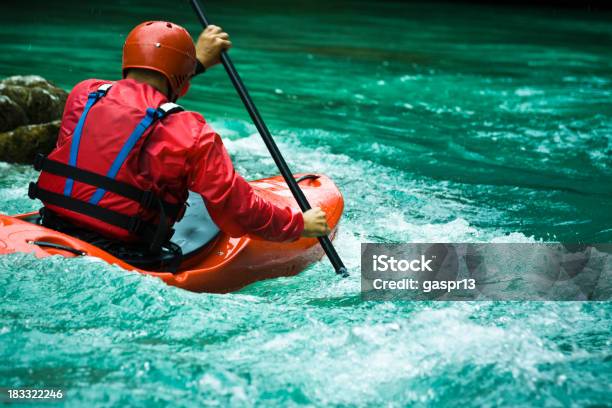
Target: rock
(11, 114)
(22, 144)
(28, 81)
(40, 100)
(45, 106)
(30, 109)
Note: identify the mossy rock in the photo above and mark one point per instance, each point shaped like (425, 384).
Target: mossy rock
(11, 114)
(30, 109)
(22, 144)
(40, 100)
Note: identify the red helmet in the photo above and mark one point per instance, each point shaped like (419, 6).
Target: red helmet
(163, 47)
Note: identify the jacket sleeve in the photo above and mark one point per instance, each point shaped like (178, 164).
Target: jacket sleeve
(232, 203)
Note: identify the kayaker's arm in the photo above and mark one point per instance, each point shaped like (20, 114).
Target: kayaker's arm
(258, 217)
(231, 201)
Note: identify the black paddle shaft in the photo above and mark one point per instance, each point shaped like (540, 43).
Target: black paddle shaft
(325, 242)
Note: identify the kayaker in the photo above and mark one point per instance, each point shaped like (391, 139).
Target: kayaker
(127, 155)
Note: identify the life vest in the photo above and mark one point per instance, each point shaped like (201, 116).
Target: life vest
(105, 197)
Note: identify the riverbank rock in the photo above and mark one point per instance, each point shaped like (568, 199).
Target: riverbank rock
(30, 109)
(22, 144)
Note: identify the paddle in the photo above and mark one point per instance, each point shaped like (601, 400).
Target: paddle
(325, 242)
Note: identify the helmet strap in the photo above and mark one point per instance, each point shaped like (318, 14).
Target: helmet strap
(172, 96)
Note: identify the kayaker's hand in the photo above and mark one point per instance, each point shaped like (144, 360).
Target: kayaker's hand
(315, 224)
(211, 42)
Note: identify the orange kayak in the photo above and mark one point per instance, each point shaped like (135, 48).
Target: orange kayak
(212, 262)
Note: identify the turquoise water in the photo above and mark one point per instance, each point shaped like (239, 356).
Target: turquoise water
(440, 123)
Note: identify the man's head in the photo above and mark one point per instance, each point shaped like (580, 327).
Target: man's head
(164, 48)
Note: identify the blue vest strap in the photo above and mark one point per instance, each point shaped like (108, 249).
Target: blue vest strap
(151, 116)
(78, 131)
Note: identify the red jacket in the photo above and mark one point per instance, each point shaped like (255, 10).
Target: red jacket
(181, 152)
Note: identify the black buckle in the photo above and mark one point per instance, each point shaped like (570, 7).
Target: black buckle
(38, 161)
(147, 199)
(160, 113)
(134, 225)
(33, 190)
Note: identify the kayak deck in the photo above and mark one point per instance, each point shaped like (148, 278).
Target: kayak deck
(222, 265)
